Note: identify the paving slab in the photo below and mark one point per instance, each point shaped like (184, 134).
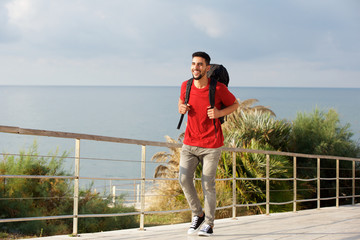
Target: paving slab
(323, 224)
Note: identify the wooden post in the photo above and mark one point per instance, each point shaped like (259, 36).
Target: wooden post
(137, 193)
(234, 186)
(267, 184)
(295, 183)
(76, 187)
(353, 182)
(318, 189)
(337, 182)
(110, 188)
(113, 194)
(143, 176)
(134, 191)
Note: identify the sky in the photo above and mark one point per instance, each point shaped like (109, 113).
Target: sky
(277, 43)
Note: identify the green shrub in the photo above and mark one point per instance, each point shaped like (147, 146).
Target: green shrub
(50, 197)
(93, 203)
(33, 197)
(261, 131)
(321, 133)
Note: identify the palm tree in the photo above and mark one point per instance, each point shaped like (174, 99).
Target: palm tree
(253, 165)
(172, 159)
(256, 128)
(247, 106)
(243, 126)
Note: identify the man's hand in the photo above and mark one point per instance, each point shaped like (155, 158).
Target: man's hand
(213, 113)
(184, 108)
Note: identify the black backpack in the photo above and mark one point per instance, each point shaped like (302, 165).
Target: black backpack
(217, 73)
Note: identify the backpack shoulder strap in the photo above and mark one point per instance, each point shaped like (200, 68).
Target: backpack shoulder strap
(187, 96)
(212, 89)
(188, 88)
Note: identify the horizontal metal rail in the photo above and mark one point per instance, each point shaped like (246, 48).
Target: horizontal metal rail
(309, 200)
(4, 220)
(57, 134)
(37, 177)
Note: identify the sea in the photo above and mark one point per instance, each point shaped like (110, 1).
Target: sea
(136, 112)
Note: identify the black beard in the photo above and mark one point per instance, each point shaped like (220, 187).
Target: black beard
(199, 77)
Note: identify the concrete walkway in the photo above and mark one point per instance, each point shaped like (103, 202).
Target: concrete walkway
(325, 224)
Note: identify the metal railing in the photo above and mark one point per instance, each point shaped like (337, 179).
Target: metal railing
(144, 144)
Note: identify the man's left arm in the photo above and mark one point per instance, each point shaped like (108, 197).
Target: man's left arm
(214, 113)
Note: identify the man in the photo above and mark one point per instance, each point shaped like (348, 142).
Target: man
(202, 141)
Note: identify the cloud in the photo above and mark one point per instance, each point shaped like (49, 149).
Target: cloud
(20, 12)
(208, 21)
(288, 72)
(93, 29)
(54, 40)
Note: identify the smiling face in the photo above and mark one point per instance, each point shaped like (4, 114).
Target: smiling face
(199, 68)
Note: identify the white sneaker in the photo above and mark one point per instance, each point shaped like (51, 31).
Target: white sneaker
(206, 231)
(196, 223)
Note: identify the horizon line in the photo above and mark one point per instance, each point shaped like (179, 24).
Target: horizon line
(230, 86)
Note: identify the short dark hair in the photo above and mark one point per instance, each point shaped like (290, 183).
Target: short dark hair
(203, 55)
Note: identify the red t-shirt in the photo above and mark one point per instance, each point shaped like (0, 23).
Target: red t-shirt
(200, 129)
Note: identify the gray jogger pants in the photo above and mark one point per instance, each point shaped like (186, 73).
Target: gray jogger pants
(190, 158)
